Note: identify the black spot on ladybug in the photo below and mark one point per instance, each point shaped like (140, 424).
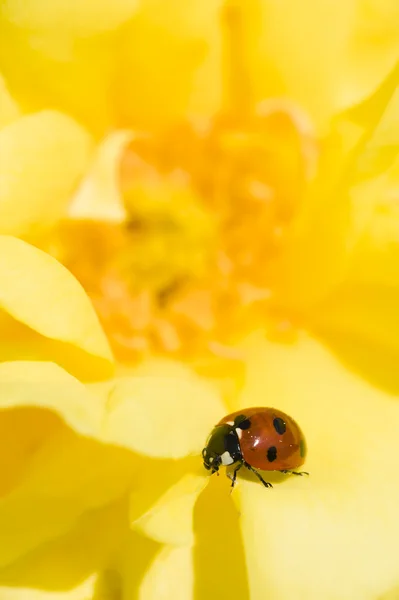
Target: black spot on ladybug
(279, 425)
(272, 453)
(302, 448)
(242, 422)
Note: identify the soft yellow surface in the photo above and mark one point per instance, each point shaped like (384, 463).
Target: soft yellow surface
(335, 532)
(170, 576)
(47, 386)
(78, 18)
(41, 293)
(42, 159)
(137, 405)
(326, 55)
(323, 55)
(344, 199)
(99, 195)
(170, 520)
(80, 592)
(9, 110)
(67, 476)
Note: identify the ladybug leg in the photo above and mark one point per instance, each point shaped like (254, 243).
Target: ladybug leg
(287, 471)
(258, 475)
(234, 476)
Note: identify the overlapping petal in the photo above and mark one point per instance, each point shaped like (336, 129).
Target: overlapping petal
(359, 321)
(45, 385)
(83, 590)
(9, 110)
(375, 257)
(113, 69)
(99, 197)
(337, 532)
(360, 314)
(343, 199)
(183, 43)
(54, 474)
(161, 415)
(318, 53)
(39, 292)
(77, 18)
(170, 519)
(68, 493)
(65, 55)
(62, 48)
(42, 159)
(80, 554)
(171, 575)
(265, 49)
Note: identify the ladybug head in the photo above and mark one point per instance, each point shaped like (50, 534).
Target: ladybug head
(222, 448)
(212, 460)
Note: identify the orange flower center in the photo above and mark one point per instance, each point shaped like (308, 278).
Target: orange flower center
(195, 265)
(210, 207)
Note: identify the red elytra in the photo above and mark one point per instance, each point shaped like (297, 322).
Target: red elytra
(257, 438)
(263, 434)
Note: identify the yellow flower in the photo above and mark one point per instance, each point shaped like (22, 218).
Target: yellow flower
(244, 228)
(100, 481)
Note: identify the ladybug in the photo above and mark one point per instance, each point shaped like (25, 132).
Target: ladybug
(256, 438)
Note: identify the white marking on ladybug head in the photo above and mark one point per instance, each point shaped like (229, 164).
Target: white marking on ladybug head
(226, 458)
(230, 423)
(210, 459)
(239, 433)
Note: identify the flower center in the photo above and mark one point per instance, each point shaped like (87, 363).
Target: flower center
(195, 265)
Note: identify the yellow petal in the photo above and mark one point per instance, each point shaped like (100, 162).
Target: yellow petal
(170, 519)
(343, 47)
(218, 541)
(137, 550)
(378, 116)
(80, 592)
(63, 16)
(182, 43)
(42, 158)
(170, 576)
(99, 196)
(376, 256)
(317, 256)
(360, 322)
(63, 563)
(162, 416)
(67, 476)
(39, 292)
(40, 397)
(358, 319)
(367, 311)
(342, 203)
(391, 595)
(324, 530)
(9, 110)
(56, 60)
(46, 385)
(52, 69)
